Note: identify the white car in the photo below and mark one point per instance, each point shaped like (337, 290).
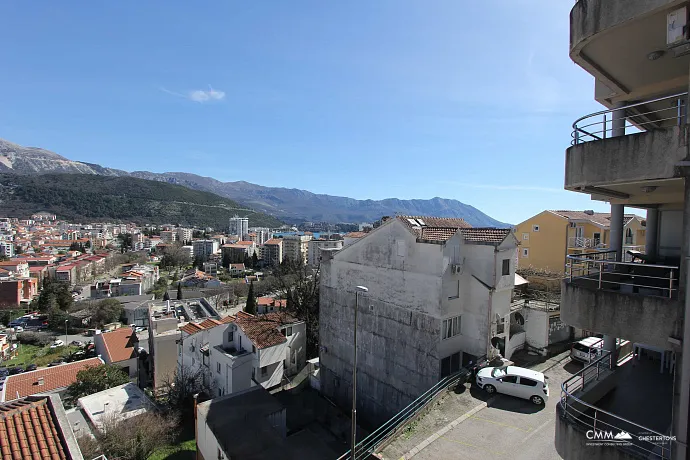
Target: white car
(515, 381)
(57, 343)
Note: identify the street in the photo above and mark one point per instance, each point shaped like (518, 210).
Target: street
(507, 427)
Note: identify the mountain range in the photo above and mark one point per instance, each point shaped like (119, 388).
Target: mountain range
(289, 205)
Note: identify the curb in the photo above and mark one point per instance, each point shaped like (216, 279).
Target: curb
(419, 447)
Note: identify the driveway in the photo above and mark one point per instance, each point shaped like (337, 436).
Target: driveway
(506, 428)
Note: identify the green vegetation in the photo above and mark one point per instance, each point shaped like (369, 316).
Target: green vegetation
(106, 311)
(185, 450)
(94, 379)
(40, 356)
(250, 307)
(79, 197)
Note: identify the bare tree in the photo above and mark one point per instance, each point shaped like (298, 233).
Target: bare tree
(134, 438)
(178, 390)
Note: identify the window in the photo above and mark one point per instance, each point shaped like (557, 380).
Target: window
(528, 382)
(253, 349)
(289, 331)
(525, 252)
(456, 294)
(525, 236)
(231, 336)
(450, 328)
(294, 357)
(509, 379)
(506, 267)
(218, 368)
(264, 371)
(535, 228)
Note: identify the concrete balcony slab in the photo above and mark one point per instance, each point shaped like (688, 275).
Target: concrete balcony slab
(636, 317)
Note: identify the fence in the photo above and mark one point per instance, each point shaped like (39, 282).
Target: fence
(369, 444)
(631, 277)
(600, 423)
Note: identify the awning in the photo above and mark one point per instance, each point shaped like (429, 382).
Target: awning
(519, 280)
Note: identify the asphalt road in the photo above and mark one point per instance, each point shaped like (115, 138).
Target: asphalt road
(507, 428)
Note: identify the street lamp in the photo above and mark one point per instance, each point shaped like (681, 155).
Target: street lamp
(66, 332)
(360, 290)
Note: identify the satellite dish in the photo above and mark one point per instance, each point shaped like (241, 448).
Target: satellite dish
(519, 319)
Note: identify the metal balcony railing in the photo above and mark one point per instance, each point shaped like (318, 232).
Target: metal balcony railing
(632, 118)
(600, 270)
(586, 243)
(598, 422)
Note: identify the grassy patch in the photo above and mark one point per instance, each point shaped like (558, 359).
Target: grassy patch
(409, 430)
(183, 451)
(40, 356)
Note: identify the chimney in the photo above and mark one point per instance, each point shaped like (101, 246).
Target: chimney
(589, 212)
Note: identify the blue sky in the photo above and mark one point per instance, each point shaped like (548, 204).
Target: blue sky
(368, 99)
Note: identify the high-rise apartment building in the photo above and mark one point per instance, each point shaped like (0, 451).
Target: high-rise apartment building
(296, 247)
(239, 226)
(633, 153)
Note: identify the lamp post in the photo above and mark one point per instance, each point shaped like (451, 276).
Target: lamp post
(360, 289)
(66, 332)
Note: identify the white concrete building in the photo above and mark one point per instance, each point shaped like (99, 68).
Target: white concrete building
(6, 248)
(296, 247)
(315, 247)
(205, 248)
(238, 352)
(239, 226)
(185, 234)
(436, 290)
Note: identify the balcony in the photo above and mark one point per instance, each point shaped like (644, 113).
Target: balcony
(635, 301)
(644, 143)
(588, 406)
(579, 242)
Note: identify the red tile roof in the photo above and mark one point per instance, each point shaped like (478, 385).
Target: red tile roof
(28, 429)
(445, 222)
(436, 233)
(119, 344)
(485, 235)
(263, 330)
(237, 266)
(599, 218)
(244, 243)
(61, 376)
(273, 241)
(356, 235)
(270, 301)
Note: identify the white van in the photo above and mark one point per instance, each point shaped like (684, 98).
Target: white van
(587, 350)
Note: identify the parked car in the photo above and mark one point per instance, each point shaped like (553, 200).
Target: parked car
(31, 367)
(3, 374)
(587, 350)
(57, 343)
(140, 329)
(515, 381)
(18, 329)
(76, 343)
(56, 363)
(16, 370)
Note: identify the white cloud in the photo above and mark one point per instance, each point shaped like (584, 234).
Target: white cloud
(199, 95)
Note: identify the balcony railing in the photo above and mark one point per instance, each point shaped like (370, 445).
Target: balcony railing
(600, 270)
(581, 242)
(642, 116)
(599, 423)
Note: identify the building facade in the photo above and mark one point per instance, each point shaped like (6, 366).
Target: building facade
(239, 226)
(633, 153)
(296, 247)
(315, 248)
(437, 289)
(205, 248)
(272, 254)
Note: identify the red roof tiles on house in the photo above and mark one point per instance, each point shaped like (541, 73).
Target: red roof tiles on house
(53, 378)
(273, 241)
(444, 222)
(602, 219)
(440, 234)
(263, 330)
(28, 430)
(119, 344)
(271, 302)
(485, 235)
(356, 235)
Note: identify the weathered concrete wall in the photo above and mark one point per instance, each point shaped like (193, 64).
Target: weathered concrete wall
(635, 317)
(397, 354)
(589, 17)
(624, 159)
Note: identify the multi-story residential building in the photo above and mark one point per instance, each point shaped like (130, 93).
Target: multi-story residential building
(168, 236)
(189, 250)
(296, 247)
(239, 351)
(633, 153)
(239, 251)
(437, 292)
(272, 254)
(17, 291)
(185, 234)
(18, 267)
(6, 248)
(316, 246)
(239, 226)
(549, 237)
(205, 248)
(119, 348)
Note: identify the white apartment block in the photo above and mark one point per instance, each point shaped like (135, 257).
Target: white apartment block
(168, 236)
(185, 234)
(6, 248)
(315, 248)
(272, 253)
(205, 248)
(437, 292)
(239, 226)
(241, 351)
